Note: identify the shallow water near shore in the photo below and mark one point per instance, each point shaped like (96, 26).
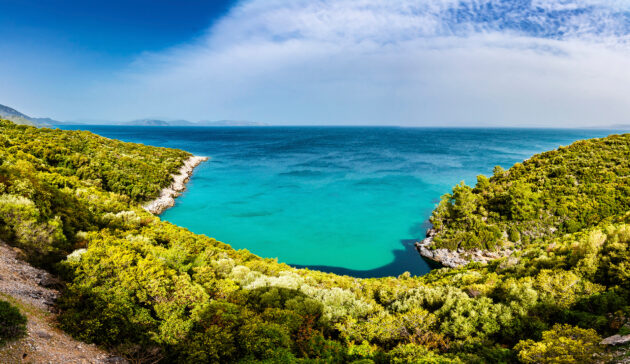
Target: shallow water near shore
(349, 200)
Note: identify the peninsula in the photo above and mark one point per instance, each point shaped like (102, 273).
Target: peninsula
(167, 196)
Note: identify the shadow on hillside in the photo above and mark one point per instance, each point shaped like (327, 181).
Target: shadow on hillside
(405, 260)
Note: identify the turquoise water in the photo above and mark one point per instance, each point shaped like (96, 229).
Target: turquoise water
(341, 199)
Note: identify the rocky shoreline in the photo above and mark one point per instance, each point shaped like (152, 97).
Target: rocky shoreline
(459, 258)
(167, 196)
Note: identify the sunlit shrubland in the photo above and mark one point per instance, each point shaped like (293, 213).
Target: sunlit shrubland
(145, 288)
(552, 193)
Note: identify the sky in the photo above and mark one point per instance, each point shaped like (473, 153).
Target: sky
(544, 63)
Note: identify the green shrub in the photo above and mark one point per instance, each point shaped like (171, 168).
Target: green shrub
(561, 344)
(12, 322)
(263, 340)
(514, 235)
(417, 354)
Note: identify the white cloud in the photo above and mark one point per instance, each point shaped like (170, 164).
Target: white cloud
(392, 62)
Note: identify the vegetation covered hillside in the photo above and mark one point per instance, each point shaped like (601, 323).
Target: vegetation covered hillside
(19, 118)
(551, 194)
(153, 291)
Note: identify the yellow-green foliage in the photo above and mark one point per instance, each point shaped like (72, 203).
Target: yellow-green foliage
(135, 170)
(562, 344)
(148, 289)
(556, 192)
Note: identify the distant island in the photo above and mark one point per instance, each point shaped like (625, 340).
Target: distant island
(156, 122)
(9, 113)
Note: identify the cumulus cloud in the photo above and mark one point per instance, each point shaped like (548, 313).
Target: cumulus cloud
(427, 62)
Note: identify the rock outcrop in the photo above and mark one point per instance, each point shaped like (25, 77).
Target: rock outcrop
(167, 196)
(459, 258)
(616, 340)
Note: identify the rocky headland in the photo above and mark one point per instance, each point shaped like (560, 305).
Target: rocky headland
(459, 258)
(167, 196)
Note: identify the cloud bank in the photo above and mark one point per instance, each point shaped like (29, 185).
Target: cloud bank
(425, 62)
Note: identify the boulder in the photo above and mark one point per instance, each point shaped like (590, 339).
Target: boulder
(616, 340)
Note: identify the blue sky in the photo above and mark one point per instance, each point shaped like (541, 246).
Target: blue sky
(357, 62)
(113, 29)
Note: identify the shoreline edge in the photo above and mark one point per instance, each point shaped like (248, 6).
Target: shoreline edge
(455, 259)
(167, 196)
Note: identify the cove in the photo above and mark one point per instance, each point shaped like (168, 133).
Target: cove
(349, 200)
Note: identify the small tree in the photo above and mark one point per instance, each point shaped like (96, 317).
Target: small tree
(12, 323)
(561, 344)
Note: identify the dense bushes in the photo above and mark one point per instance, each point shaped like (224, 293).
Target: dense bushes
(135, 170)
(20, 223)
(12, 323)
(562, 344)
(557, 192)
(150, 290)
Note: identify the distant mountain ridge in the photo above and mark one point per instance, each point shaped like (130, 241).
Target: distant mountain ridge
(156, 122)
(23, 119)
(17, 117)
(620, 126)
(147, 122)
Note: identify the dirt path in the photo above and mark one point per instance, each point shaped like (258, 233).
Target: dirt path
(34, 292)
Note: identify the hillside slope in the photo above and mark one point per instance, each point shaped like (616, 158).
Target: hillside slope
(551, 194)
(19, 118)
(34, 291)
(144, 288)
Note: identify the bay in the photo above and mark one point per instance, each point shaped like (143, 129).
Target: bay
(349, 200)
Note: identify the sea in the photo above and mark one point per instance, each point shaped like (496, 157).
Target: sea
(348, 200)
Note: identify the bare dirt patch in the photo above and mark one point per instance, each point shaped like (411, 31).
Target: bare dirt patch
(34, 292)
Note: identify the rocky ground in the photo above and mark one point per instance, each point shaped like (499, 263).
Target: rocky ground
(454, 259)
(34, 292)
(167, 196)
(618, 346)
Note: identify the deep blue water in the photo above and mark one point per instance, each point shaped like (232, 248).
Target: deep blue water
(343, 199)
